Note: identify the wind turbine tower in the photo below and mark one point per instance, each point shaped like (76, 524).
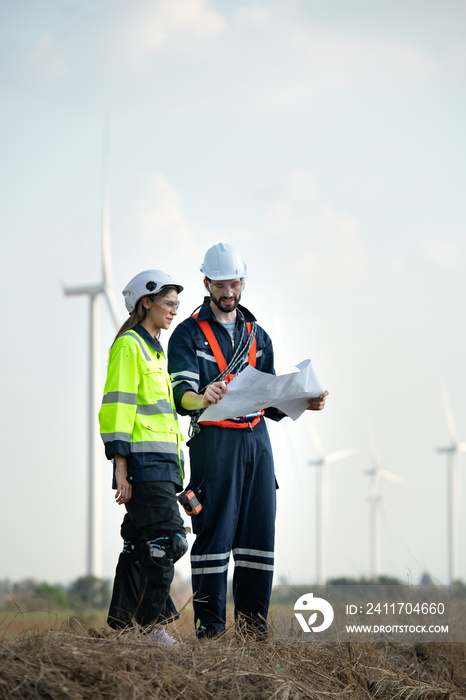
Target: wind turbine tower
(93, 291)
(321, 463)
(375, 498)
(453, 452)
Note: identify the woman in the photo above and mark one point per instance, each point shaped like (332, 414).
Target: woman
(139, 428)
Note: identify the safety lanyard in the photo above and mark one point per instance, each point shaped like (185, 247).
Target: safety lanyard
(215, 347)
(223, 366)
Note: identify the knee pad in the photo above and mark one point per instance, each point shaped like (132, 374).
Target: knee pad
(171, 546)
(179, 546)
(140, 550)
(159, 547)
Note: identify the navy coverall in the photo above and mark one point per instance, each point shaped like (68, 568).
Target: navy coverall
(232, 474)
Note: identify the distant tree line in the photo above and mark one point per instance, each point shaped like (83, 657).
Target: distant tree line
(362, 580)
(85, 592)
(89, 592)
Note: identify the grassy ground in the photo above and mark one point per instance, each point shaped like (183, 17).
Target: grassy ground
(61, 659)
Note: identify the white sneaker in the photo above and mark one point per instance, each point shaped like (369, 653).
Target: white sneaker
(159, 636)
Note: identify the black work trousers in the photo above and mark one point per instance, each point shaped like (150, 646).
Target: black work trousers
(141, 589)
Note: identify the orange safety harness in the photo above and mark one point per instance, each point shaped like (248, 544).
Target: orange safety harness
(222, 365)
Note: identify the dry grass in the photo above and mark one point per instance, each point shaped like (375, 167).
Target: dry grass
(74, 662)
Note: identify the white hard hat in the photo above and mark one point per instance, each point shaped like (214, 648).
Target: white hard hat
(146, 283)
(223, 262)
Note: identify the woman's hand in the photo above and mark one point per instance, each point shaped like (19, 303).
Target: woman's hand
(124, 488)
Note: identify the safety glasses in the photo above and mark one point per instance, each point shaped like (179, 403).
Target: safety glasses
(235, 286)
(168, 304)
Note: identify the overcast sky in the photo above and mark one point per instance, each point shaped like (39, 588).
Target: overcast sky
(324, 140)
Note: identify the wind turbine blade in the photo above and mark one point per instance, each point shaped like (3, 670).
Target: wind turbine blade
(340, 454)
(451, 427)
(106, 266)
(106, 257)
(318, 446)
(112, 306)
(392, 477)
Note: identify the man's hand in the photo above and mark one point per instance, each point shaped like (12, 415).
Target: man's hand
(191, 401)
(124, 488)
(318, 403)
(214, 393)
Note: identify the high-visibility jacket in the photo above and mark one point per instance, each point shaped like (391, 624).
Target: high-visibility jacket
(138, 418)
(191, 361)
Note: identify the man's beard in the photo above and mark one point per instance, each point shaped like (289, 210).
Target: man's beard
(222, 307)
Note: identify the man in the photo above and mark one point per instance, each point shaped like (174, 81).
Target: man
(232, 471)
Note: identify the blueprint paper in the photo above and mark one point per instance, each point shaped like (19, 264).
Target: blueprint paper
(252, 391)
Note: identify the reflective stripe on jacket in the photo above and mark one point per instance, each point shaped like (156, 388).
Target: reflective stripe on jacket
(138, 417)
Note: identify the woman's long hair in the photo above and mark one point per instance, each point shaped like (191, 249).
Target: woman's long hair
(139, 313)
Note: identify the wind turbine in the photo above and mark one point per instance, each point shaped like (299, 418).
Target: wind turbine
(104, 287)
(321, 463)
(375, 497)
(453, 452)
